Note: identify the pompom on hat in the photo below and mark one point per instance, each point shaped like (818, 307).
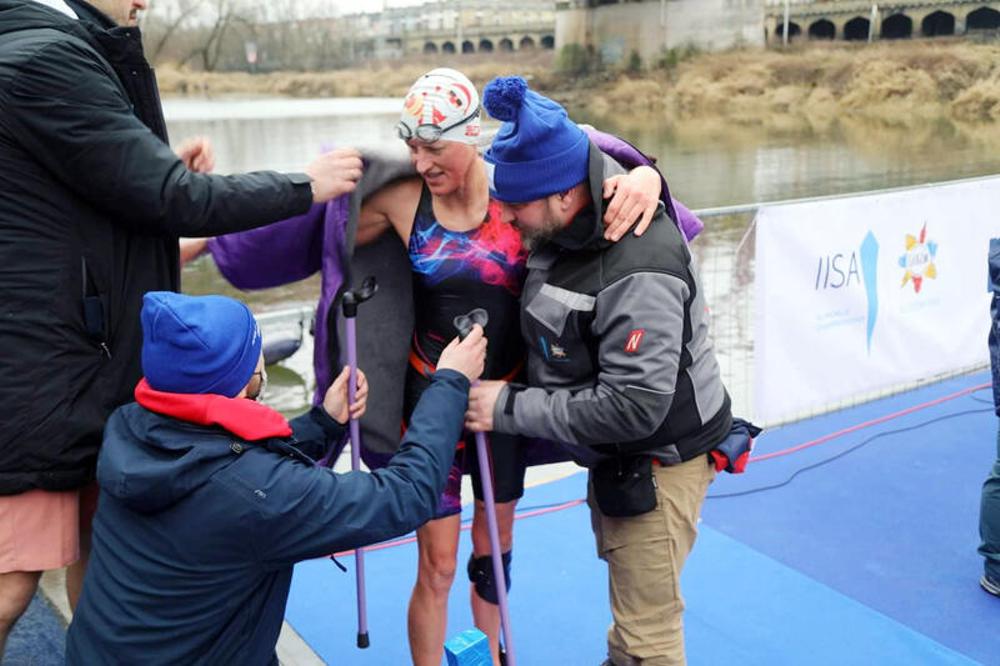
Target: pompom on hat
(538, 151)
(198, 344)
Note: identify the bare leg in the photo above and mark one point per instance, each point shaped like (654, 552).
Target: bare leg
(427, 620)
(76, 571)
(485, 614)
(16, 590)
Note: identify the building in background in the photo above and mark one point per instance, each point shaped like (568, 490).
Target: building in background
(452, 26)
(615, 29)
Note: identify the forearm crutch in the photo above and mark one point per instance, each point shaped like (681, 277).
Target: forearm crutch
(464, 324)
(350, 302)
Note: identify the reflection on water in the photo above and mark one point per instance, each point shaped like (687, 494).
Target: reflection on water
(707, 162)
(281, 134)
(716, 163)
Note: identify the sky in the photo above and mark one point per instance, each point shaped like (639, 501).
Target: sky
(303, 8)
(354, 6)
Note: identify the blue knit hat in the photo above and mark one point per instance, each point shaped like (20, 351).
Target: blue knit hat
(538, 151)
(198, 344)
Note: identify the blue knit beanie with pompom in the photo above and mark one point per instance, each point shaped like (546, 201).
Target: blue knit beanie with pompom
(538, 151)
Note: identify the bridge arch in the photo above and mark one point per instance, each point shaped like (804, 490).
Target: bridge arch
(485, 46)
(794, 30)
(937, 24)
(448, 47)
(430, 47)
(856, 29)
(983, 18)
(526, 43)
(822, 29)
(468, 47)
(506, 45)
(897, 26)
(548, 41)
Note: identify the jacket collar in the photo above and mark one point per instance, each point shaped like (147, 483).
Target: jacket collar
(244, 418)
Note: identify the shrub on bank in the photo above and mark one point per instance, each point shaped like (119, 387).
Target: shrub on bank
(893, 81)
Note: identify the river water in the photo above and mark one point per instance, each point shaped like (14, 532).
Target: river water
(708, 163)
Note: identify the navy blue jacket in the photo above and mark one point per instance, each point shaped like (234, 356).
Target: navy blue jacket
(995, 320)
(196, 531)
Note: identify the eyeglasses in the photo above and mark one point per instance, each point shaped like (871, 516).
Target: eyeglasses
(261, 386)
(429, 132)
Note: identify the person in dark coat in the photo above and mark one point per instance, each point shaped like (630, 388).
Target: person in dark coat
(91, 207)
(208, 497)
(989, 511)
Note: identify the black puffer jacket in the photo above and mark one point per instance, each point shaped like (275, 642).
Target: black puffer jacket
(92, 201)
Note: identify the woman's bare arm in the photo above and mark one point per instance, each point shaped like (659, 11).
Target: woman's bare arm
(393, 206)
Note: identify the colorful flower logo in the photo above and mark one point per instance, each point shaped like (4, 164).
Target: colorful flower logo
(918, 260)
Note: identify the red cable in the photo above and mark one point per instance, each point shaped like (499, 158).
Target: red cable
(467, 526)
(868, 424)
(768, 456)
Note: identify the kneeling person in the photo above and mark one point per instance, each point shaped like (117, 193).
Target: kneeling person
(208, 497)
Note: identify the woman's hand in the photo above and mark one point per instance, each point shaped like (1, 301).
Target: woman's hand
(634, 199)
(192, 248)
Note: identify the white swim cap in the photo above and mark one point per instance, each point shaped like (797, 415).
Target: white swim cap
(442, 104)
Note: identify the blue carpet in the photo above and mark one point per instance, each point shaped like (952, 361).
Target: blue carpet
(38, 638)
(869, 559)
(893, 524)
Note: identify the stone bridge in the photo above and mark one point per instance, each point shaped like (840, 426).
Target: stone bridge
(856, 21)
(478, 39)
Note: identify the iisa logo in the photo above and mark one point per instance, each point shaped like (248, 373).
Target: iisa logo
(837, 271)
(851, 269)
(918, 260)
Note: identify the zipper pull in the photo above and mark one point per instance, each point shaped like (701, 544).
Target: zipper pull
(105, 350)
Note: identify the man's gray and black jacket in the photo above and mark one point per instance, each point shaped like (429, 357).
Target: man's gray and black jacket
(619, 354)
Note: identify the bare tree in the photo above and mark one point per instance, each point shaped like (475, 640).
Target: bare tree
(212, 34)
(186, 10)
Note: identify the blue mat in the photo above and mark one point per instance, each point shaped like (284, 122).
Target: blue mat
(38, 638)
(893, 524)
(868, 559)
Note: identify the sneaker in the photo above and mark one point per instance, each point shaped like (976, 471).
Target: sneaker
(990, 585)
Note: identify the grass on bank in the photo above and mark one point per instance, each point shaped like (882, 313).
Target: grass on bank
(916, 78)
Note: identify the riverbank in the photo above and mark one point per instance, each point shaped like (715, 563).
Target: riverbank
(892, 81)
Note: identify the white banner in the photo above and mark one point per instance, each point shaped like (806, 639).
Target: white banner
(860, 295)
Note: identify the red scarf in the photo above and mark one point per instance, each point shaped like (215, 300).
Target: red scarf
(244, 418)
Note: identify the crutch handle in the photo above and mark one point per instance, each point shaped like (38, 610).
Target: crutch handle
(464, 323)
(352, 298)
